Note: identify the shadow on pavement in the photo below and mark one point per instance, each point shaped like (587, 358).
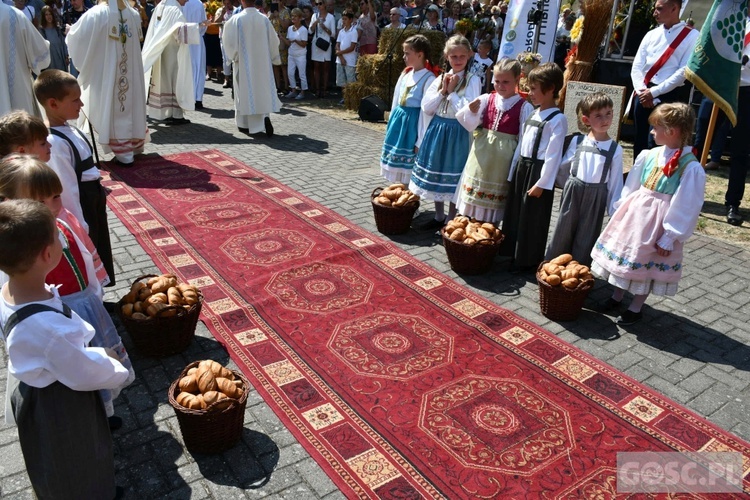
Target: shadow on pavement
(192, 133)
(684, 337)
(248, 465)
(291, 143)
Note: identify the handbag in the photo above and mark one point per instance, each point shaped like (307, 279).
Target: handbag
(322, 44)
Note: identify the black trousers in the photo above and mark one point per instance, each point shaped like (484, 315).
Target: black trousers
(65, 441)
(526, 219)
(94, 206)
(739, 150)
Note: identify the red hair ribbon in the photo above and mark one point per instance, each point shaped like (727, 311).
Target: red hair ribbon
(435, 70)
(673, 163)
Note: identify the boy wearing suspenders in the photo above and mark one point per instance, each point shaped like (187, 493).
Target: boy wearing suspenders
(594, 184)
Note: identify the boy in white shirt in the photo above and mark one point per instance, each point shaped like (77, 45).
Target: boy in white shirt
(594, 184)
(53, 377)
(481, 64)
(346, 52)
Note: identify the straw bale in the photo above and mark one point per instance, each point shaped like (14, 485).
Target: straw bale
(373, 70)
(389, 36)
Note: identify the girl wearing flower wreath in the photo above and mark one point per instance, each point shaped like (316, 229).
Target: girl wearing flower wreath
(640, 250)
(407, 125)
(496, 119)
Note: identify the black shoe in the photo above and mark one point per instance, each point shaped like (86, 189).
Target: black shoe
(177, 121)
(431, 225)
(115, 422)
(110, 306)
(244, 130)
(227, 82)
(733, 215)
(198, 104)
(269, 126)
(608, 306)
(119, 492)
(628, 318)
(122, 164)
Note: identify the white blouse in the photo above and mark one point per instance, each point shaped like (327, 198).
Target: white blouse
(550, 147)
(686, 203)
(432, 104)
(411, 79)
(591, 165)
(48, 347)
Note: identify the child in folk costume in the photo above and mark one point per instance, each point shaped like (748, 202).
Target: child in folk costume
(528, 209)
(53, 376)
(640, 250)
(445, 147)
(407, 124)
(23, 133)
(499, 115)
(594, 185)
(79, 274)
(72, 159)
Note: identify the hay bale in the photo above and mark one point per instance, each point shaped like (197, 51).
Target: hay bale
(389, 36)
(355, 92)
(373, 70)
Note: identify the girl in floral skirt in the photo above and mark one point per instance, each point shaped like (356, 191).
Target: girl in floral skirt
(497, 118)
(640, 250)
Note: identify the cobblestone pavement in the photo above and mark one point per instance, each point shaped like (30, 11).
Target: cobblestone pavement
(692, 348)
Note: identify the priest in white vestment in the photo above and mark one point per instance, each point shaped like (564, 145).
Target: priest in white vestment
(253, 47)
(195, 12)
(167, 65)
(23, 51)
(105, 46)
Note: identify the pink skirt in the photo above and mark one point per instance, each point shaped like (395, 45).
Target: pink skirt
(625, 253)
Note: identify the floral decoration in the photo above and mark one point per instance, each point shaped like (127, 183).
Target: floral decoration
(576, 31)
(529, 58)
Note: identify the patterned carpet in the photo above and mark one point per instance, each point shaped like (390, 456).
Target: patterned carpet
(398, 381)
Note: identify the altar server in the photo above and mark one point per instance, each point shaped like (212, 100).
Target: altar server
(252, 45)
(167, 64)
(195, 12)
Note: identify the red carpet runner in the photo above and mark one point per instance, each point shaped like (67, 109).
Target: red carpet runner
(398, 381)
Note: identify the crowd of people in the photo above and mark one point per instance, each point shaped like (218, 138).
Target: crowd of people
(463, 138)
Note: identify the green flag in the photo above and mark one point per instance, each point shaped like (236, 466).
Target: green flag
(714, 66)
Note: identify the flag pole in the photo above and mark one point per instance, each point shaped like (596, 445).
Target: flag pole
(709, 133)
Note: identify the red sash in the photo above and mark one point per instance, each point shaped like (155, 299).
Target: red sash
(666, 55)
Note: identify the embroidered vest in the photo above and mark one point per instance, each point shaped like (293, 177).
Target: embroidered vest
(70, 273)
(653, 177)
(508, 122)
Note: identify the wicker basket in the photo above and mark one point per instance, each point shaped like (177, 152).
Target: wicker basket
(392, 220)
(559, 303)
(210, 431)
(162, 336)
(470, 259)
